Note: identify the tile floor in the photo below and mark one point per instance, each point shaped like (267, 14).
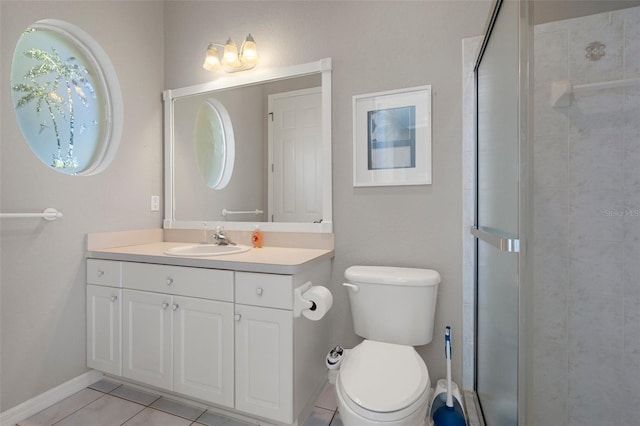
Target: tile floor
(107, 403)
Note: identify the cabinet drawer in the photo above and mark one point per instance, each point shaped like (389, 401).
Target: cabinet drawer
(184, 281)
(104, 272)
(274, 291)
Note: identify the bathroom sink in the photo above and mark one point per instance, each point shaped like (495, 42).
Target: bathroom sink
(206, 250)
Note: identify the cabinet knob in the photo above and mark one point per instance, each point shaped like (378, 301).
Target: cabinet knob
(165, 305)
(169, 280)
(175, 306)
(114, 298)
(237, 317)
(259, 291)
(100, 272)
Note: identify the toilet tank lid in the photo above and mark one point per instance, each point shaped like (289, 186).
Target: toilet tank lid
(413, 277)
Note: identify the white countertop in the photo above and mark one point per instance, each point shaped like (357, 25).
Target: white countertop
(274, 260)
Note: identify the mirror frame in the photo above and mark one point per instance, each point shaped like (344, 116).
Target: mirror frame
(323, 67)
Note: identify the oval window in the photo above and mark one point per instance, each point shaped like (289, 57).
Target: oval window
(66, 97)
(214, 143)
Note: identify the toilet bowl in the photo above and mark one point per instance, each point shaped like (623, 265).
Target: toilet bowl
(383, 380)
(383, 384)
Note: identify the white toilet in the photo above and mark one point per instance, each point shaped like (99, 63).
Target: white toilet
(383, 380)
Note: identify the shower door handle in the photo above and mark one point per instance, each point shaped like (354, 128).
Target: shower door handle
(498, 239)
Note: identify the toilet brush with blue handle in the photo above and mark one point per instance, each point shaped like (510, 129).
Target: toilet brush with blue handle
(448, 415)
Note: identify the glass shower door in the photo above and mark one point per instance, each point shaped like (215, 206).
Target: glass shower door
(497, 230)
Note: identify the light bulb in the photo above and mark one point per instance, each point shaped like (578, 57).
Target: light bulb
(249, 51)
(230, 55)
(211, 60)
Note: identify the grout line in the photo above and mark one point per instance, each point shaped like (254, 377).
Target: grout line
(136, 402)
(194, 422)
(197, 418)
(335, 413)
(143, 408)
(80, 408)
(178, 415)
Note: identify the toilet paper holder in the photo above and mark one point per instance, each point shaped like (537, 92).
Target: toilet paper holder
(299, 302)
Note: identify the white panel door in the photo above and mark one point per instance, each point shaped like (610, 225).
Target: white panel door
(103, 329)
(264, 359)
(203, 349)
(147, 348)
(295, 147)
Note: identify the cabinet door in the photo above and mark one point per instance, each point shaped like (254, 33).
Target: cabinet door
(203, 349)
(103, 329)
(147, 338)
(264, 359)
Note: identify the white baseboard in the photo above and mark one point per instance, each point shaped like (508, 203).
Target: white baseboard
(38, 403)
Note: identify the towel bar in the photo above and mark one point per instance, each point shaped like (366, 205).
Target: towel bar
(48, 214)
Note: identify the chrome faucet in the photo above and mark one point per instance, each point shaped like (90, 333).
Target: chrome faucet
(221, 237)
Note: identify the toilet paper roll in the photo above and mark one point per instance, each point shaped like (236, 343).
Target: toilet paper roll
(321, 300)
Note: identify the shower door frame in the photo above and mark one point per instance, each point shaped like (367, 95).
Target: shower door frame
(525, 216)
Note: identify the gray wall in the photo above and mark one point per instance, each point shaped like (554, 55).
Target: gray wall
(375, 46)
(42, 267)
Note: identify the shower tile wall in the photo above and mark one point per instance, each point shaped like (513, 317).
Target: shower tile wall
(586, 338)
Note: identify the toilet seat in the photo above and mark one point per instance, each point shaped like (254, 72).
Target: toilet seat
(383, 381)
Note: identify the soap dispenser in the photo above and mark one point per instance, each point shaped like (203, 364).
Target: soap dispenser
(257, 237)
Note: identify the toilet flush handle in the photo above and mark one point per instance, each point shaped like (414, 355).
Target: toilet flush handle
(353, 287)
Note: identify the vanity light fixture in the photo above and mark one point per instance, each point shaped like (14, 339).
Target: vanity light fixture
(231, 61)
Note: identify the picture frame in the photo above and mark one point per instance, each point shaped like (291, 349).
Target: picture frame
(392, 137)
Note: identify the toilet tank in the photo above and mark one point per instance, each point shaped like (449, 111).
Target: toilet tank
(392, 304)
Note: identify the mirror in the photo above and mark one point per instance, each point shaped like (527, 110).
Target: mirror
(281, 185)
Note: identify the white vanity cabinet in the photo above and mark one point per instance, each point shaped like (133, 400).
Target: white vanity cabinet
(104, 306)
(264, 356)
(227, 338)
(147, 346)
(177, 343)
(264, 345)
(203, 349)
(169, 339)
(279, 358)
(174, 341)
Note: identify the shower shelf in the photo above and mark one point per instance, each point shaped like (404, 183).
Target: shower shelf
(562, 90)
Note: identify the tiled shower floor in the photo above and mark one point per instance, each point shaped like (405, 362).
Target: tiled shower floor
(107, 403)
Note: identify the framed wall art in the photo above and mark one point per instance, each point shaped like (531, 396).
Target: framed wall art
(392, 137)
